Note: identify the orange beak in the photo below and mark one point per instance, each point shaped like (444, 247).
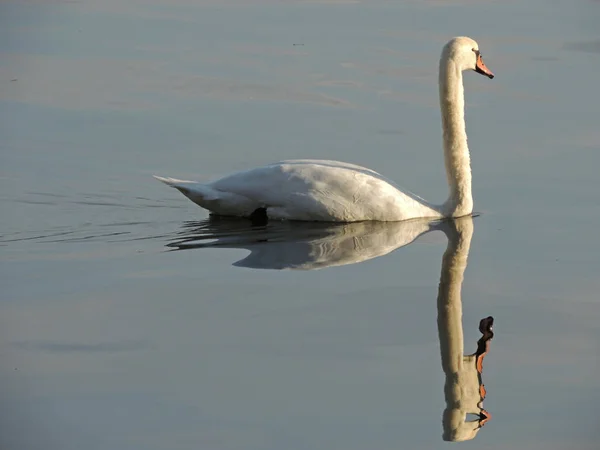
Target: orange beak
(481, 68)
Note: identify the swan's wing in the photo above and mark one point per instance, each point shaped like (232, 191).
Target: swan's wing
(356, 168)
(329, 163)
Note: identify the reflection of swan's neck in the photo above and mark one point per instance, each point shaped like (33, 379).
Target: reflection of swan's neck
(456, 151)
(449, 305)
(463, 389)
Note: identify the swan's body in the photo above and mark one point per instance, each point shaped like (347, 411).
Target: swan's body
(328, 191)
(332, 191)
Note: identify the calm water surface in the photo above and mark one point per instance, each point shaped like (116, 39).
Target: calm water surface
(128, 321)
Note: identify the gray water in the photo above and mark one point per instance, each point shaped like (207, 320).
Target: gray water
(127, 321)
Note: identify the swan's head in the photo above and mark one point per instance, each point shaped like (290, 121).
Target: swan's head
(464, 52)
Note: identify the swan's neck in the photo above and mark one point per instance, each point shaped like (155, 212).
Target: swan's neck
(456, 151)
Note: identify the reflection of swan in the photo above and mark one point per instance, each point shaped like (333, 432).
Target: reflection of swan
(300, 245)
(333, 191)
(464, 390)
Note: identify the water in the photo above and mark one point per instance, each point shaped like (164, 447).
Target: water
(129, 321)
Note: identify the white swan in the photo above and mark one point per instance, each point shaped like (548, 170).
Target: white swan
(333, 191)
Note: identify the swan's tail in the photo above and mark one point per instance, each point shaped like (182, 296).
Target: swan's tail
(196, 192)
(184, 186)
(174, 182)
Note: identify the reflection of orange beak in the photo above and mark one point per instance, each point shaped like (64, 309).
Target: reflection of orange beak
(481, 68)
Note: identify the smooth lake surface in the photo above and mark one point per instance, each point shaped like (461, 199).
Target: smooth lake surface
(127, 321)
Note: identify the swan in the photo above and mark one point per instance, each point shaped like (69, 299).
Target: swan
(333, 191)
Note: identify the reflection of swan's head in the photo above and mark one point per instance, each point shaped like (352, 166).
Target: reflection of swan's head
(464, 52)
